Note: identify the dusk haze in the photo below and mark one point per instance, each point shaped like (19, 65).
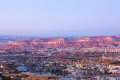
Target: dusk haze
(60, 40)
(59, 17)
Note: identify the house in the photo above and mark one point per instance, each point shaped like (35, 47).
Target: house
(115, 69)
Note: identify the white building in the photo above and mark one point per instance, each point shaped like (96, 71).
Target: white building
(114, 69)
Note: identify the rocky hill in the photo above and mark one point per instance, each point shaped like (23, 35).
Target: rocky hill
(74, 42)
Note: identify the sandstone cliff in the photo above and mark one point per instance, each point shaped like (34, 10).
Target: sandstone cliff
(79, 42)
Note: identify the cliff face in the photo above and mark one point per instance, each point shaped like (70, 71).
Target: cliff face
(78, 42)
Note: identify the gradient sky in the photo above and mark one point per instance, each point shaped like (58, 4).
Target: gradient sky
(59, 17)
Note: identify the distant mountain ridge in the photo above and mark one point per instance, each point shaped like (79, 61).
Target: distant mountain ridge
(5, 39)
(74, 42)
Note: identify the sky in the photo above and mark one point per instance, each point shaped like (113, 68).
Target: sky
(59, 17)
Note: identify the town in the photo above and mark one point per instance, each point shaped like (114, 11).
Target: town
(56, 63)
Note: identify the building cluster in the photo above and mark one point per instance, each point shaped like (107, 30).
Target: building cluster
(30, 64)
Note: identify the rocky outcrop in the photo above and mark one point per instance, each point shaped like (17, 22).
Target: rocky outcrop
(79, 42)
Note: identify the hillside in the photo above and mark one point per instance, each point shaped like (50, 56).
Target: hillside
(74, 42)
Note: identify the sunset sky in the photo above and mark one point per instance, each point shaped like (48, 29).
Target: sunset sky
(59, 17)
